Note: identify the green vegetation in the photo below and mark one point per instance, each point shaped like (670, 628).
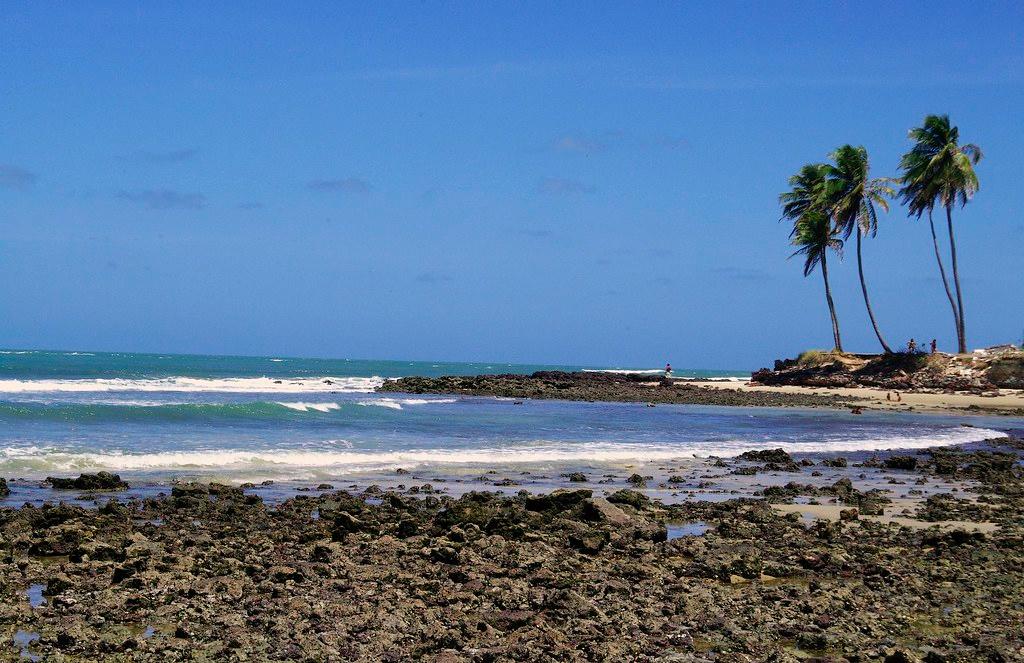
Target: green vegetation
(938, 169)
(853, 196)
(809, 358)
(813, 231)
(827, 203)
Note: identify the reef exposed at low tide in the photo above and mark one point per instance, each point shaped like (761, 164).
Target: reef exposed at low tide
(212, 572)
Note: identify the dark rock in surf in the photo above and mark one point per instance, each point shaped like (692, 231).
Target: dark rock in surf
(767, 456)
(637, 480)
(98, 481)
(901, 463)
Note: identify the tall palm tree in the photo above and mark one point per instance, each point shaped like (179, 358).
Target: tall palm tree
(938, 170)
(813, 232)
(852, 197)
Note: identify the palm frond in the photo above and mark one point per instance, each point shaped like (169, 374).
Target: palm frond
(814, 234)
(937, 169)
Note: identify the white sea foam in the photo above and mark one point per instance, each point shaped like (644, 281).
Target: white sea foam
(306, 407)
(382, 402)
(397, 403)
(130, 402)
(37, 460)
(187, 384)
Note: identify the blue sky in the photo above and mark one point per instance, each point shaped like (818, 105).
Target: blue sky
(587, 183)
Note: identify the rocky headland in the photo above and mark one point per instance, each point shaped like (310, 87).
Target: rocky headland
(985, 370)
(593, 572)
(595, 386)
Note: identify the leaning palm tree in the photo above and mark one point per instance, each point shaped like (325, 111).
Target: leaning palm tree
(937, 169)
(807, 191)
(813, 232)
(852, 197)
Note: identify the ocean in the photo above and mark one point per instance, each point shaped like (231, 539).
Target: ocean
(156, 418)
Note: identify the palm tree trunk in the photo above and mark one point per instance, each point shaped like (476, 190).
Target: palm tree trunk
(831, 306)
(945, 281)
(867, 302)
(956, 281)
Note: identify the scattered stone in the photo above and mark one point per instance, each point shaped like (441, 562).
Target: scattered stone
(564, 576)
(637, 480)
(901, 463)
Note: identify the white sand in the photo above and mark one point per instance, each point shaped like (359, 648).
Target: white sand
(831, 512)
(1003, 399)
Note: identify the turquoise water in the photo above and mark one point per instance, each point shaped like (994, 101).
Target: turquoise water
(42, 364)
(159, 417)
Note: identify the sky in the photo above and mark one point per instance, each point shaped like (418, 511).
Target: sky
(572, 183)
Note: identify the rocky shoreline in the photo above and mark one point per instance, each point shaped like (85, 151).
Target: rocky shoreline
(594, 572)
(593, 386)
(982, 371)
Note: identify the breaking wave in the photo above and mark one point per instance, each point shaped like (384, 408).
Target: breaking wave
(127, 410)
(337, 457)
(203, 385)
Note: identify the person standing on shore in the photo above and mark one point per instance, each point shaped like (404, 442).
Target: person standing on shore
(668, 370)
(934, 346)
(912, 346)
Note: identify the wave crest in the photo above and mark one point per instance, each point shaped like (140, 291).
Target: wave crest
(325, 384)
(338, 457)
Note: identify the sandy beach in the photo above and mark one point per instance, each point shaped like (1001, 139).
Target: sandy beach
(999, 401)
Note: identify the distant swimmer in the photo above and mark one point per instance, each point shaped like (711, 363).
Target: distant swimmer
(668, 370)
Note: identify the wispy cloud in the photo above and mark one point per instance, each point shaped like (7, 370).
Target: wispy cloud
(15, 177)
(170, 156)
(742, 273)
(468, 72)
(344, 185)
(536, 233)
(578, 145)
(670, 143)
(433, 277)
(164, 199)
(562, 186)
(994, 75)
(616, 139)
